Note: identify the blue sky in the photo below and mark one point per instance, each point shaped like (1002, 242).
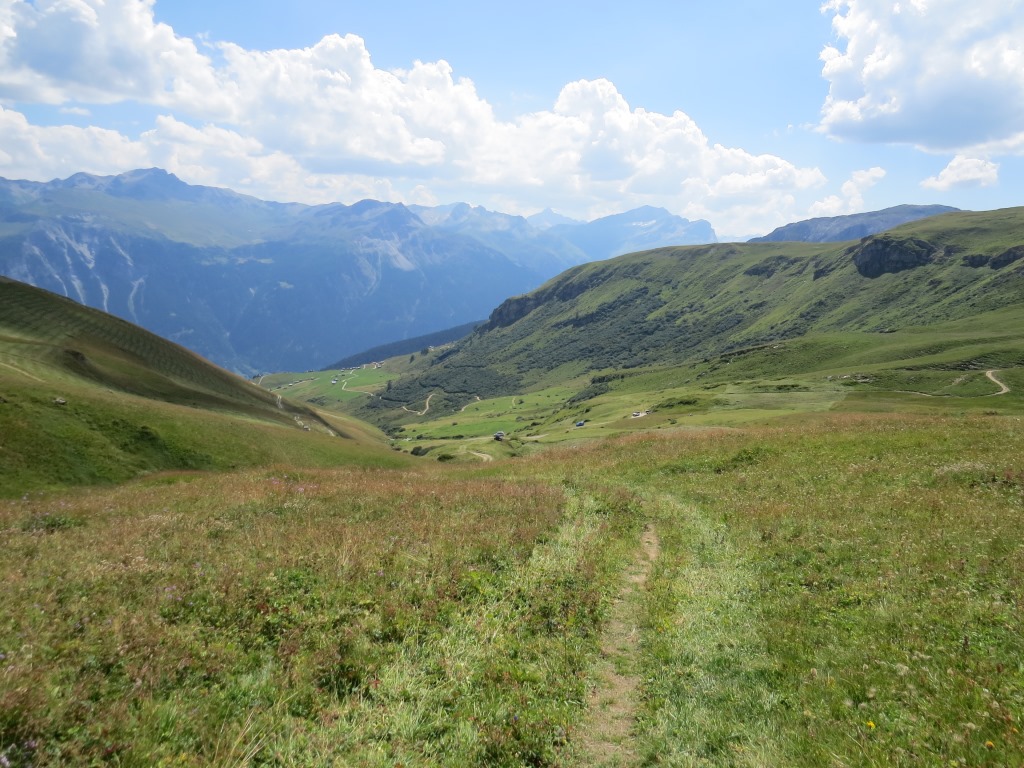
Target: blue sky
(748, 114)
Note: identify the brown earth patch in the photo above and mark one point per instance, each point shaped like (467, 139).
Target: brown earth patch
(606, 735)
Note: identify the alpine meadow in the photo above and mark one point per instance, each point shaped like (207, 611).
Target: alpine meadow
(792, 539)
(556, 387)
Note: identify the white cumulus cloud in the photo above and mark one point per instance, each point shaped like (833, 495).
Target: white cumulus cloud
(100, 51)
(851, 199)
(964, 172)
(940, 75)
(47, 152)
(324, 123)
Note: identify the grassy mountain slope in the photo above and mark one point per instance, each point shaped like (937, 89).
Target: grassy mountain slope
(86, 397)
(405, 346)
(676, 306)
(936, 370)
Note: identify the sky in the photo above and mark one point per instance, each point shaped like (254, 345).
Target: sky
(749, 114)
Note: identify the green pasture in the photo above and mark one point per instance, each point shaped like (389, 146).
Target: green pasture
(842, 590)
(327, 389)
(88, 399)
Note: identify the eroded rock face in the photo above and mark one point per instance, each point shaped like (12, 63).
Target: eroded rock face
(1007, 257)
(1004, 259)
(513, 309)
(563, 289)
(876, 256)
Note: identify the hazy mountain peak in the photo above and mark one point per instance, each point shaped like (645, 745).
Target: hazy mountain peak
(635, 230)
(852, 226)
(152, 184)
(549, 218)
(260, 285)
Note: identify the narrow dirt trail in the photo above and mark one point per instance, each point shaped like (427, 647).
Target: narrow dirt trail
(606, 735)
(482, 456)
(1003, 389)
(23, 373)
(426, 407)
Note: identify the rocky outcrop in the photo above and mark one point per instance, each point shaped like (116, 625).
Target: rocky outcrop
(770, 266)
(975, 260)
(511, 310)
(1007, 257)
(1004, 259)
(572, 284)
(876, 256)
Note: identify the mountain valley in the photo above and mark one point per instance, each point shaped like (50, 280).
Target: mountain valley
(682, 307)
(718, 504)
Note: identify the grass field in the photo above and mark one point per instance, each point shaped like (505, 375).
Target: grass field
(702, 396)
(844, 591)
(929, 369)
(86, 398)
(327, 389)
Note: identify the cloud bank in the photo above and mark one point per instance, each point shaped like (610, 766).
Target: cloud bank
(323, 123)
(942, 75)
(852, 198)
(964, 172)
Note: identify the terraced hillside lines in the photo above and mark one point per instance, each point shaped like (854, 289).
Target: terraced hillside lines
(111, 351)
(607, 736)
(18, 370)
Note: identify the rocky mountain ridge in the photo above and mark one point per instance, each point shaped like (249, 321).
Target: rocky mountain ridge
(832, 229)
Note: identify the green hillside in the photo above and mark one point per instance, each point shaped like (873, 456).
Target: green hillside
(685, 306)
(789, 541)
(86, 397)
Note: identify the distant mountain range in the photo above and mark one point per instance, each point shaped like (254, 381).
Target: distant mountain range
(258, 286)
(835, 229)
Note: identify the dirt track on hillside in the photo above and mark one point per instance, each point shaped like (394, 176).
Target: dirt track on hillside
(426, 407)
(1003, 389)
(606, 736)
